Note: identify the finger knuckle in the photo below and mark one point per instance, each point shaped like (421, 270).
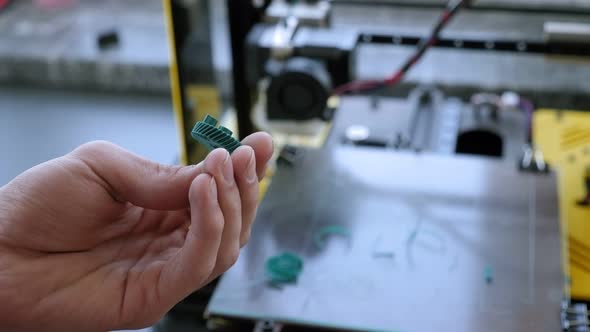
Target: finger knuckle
(229, 259)
(162, 170)
(245, 239)
(215, 227)
(208, 270)
(94, 148)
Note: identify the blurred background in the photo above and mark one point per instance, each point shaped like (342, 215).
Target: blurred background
(75, 71)
(432, 157)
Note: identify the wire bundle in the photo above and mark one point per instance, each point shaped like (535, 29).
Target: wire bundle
(363, 86)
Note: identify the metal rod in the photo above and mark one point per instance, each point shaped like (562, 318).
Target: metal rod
(242, 16)
(515, 6)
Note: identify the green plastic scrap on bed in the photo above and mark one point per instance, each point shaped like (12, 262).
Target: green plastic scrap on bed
(320, 237)
(207, 133)
(488, 274)
(284, 268)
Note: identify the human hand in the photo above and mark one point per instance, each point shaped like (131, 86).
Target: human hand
(101, 239)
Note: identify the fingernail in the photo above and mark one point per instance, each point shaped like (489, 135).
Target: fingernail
(251, 175)
(213, 188)
(228, 171)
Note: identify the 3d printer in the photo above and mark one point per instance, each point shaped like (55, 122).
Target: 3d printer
(446, 163)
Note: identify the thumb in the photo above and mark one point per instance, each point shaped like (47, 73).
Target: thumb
(130, 178)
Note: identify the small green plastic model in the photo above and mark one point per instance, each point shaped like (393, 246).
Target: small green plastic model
(284, 268)
(207, 133)
(488, 274)
(319, 237)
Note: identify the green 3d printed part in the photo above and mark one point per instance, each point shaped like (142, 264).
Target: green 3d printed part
(284, 268)
(208, 134)
(488, 274)
(319, 238)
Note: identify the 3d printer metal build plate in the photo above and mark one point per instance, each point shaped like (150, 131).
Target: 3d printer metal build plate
(436, 243)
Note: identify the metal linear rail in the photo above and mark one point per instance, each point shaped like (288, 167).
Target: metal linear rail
(520, 46)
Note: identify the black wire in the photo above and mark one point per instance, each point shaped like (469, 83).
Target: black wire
(425, 43)
(450, 11)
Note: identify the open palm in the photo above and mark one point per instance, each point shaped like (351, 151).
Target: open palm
(102, 239)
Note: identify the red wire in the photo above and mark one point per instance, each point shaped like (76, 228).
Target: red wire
(4, 3)
(394, 79)
(360, 86)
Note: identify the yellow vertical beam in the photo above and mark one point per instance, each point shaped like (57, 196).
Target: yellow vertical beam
(175, 81)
